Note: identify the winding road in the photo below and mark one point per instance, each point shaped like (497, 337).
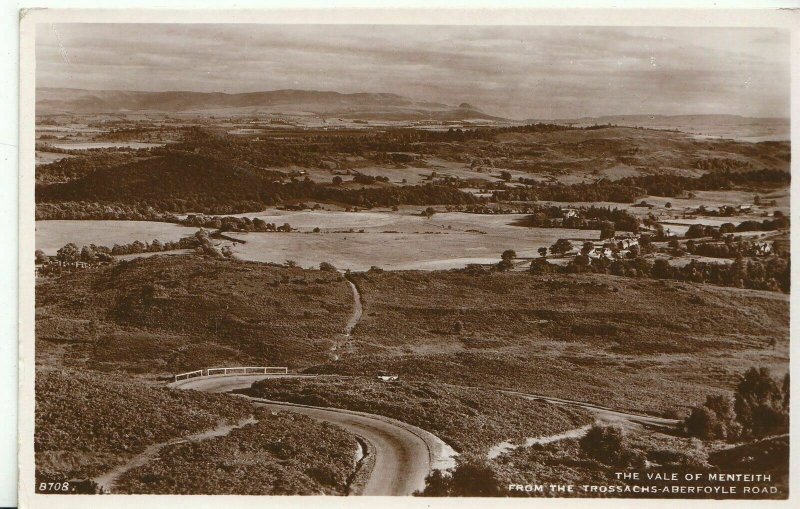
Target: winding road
(404, 454)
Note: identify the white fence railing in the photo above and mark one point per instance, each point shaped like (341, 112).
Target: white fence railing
(239, 370)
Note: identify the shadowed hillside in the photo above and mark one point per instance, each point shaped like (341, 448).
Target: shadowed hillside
(172, 314)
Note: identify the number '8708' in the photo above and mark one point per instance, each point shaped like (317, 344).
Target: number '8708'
(54, 486)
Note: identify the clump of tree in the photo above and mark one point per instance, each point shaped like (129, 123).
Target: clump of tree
(607, 444)
(360, 178)
(327, 267)
(696, 231)
(507, 260)
(469, 478)
(561, 247)
(759, 408)
(606, 219)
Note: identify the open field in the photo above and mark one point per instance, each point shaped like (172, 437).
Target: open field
(53, 235)
(470, 420)
(397, 251)
(397, 241)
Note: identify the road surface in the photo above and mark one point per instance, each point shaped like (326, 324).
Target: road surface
(404, 454)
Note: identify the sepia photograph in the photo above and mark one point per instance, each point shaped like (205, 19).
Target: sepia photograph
(407, 259)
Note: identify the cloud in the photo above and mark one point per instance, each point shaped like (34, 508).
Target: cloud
(522, 72)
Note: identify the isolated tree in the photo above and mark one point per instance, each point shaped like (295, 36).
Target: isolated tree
(316, 229)
(604, 443)
(429, 212)
(508, 254)
(561, 246)
(337, 180)
(505, 175)
(696, 231)
(542, 252)
(475, 478)
(327, 267)
(714, 420)
(290, 264)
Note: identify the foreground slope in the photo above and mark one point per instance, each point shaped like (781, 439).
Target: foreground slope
(643, 345)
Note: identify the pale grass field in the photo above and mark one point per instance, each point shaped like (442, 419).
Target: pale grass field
(53, 235)
(397, 241)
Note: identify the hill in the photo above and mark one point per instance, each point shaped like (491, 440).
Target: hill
(184, 179)
(640, 344)
(187, 182)
(164, 315)
(383, 106)
(643, 345)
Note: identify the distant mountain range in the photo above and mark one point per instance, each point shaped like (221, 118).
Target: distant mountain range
(379, 106)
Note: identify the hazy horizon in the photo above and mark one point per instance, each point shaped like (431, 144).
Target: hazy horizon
(513, 72)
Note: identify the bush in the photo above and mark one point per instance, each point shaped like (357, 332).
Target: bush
(470, 478)
(703, 423)
(760, 408)
(759, 403)
(607, 444)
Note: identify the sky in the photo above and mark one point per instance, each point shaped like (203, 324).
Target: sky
(520, 72)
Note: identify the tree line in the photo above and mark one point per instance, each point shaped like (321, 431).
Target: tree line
(772, 273)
